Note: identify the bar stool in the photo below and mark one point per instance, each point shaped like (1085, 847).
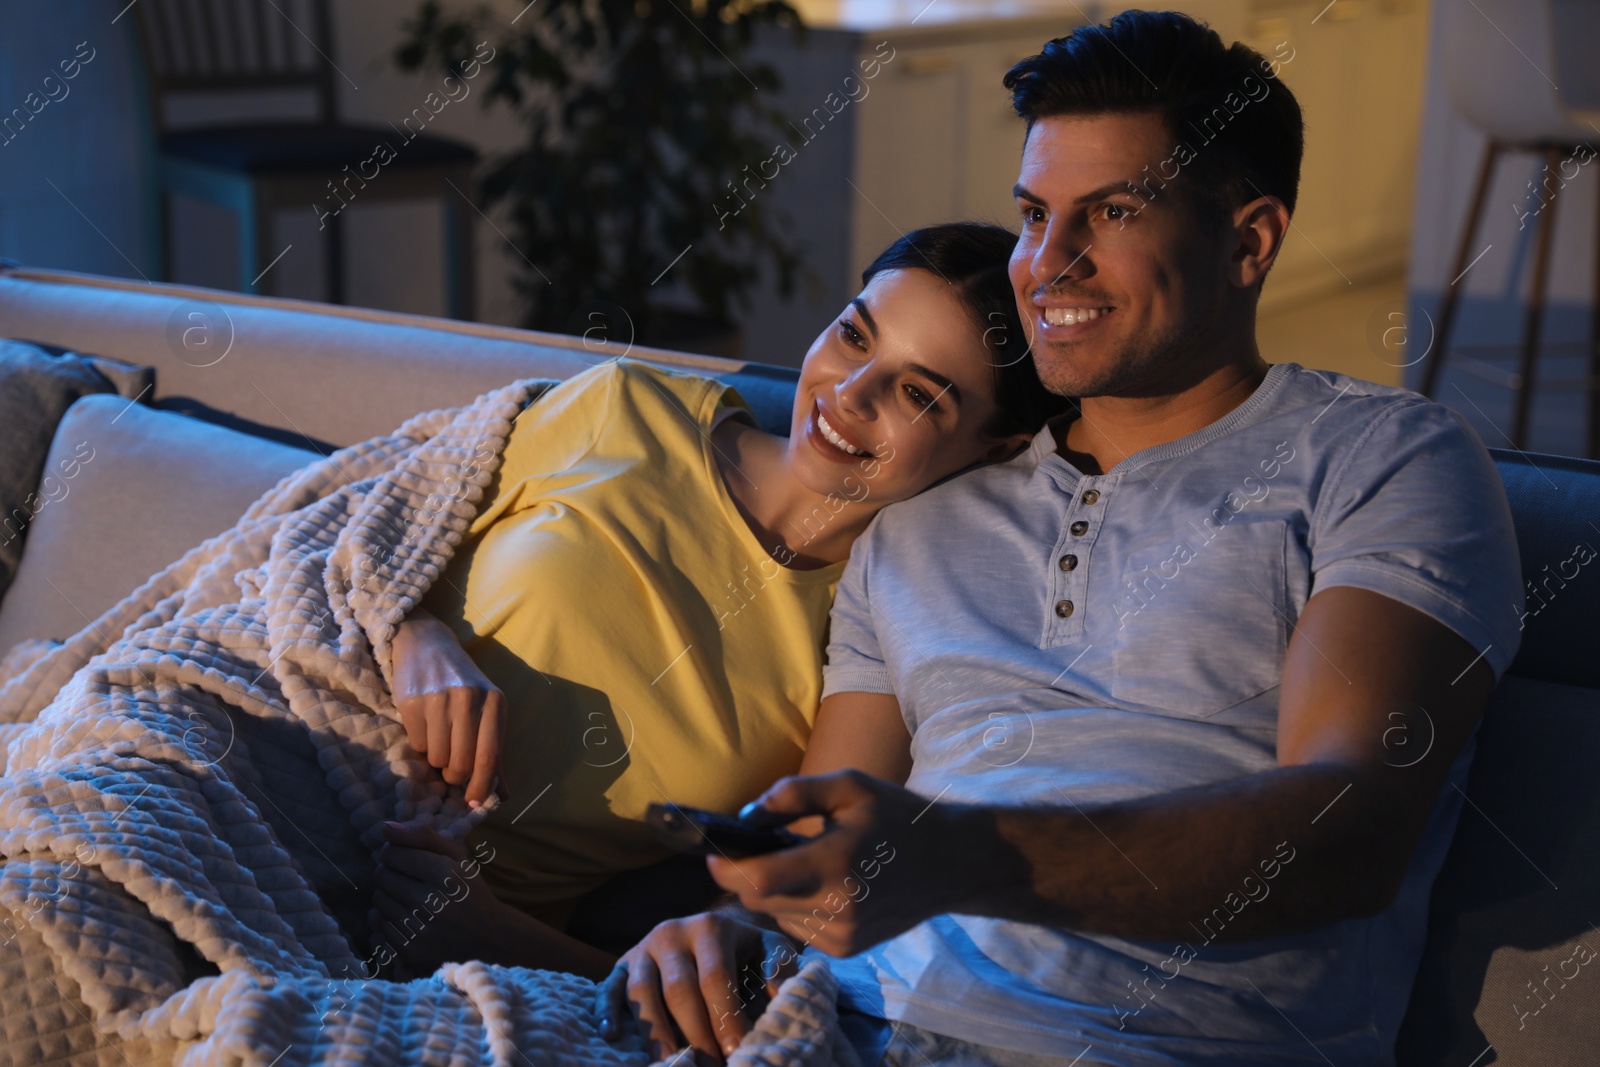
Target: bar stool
(206, 49)
(1507, 87)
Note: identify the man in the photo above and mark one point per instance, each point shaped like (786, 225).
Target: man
(1182, 696)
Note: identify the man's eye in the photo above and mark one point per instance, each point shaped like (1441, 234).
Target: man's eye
(1117, 212)
(1032, 213)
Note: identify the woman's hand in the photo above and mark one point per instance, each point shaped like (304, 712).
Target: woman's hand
(699, 973)
(429, 904)
(453, 714)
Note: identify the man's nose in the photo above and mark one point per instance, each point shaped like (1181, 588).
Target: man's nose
(1062, 254)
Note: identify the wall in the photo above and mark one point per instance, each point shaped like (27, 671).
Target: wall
(73, 178)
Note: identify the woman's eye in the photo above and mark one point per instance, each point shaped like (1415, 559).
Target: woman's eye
(852, 336)
(921, 398)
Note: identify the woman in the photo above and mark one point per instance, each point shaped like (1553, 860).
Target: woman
(640, 612)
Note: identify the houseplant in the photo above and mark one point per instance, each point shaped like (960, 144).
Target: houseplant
(640, 115)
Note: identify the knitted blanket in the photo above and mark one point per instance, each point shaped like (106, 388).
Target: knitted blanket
(194, 786)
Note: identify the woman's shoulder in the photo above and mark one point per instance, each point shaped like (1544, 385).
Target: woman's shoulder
(655, 390)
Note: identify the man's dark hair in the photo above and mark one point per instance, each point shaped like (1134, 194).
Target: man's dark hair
(1166, 63)
(973, 257)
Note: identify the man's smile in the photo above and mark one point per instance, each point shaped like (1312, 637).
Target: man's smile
(1071, 321)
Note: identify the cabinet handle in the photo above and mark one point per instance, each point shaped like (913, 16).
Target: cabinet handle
(935, 64)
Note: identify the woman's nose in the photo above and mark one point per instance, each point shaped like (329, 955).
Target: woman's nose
(852, 392)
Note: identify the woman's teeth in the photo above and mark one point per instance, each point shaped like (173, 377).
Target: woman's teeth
(1072, 316)
(831, 435)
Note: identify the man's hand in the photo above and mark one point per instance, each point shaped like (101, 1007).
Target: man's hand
(879, 867)
(426, 880)
(694, 976)
(453, 714)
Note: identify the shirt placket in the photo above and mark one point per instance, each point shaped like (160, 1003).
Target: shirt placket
(1069, 563)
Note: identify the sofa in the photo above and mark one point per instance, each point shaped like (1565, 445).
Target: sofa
(247, 389)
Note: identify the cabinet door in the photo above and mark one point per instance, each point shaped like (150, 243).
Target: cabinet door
(994, 134)
(908, 134)
(1357, 72)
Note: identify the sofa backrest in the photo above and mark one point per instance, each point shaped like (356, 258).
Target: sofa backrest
(314, 372)
(1512, 921)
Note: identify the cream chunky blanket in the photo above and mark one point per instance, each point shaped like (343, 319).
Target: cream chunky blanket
(194, 786)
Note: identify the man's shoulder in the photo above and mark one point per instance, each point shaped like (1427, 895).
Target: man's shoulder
(1343, 399)
(1337, 417)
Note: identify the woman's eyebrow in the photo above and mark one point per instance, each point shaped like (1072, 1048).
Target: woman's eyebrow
(866, 316)
(946, 386)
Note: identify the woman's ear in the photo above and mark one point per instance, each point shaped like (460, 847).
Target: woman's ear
(1006, 447)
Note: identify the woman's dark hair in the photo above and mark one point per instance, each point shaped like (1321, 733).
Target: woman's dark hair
(972, 257)
(1239, 145)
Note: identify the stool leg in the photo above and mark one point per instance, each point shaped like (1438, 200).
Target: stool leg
(1452, 295)
(458, 263)
(1594, 350)
(251, 239)
(333, 260)
(1535, 315)
(164, 214)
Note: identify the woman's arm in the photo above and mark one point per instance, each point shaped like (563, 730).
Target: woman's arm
(453, 715)
(860, 730)
(431, 905)
(863, 731)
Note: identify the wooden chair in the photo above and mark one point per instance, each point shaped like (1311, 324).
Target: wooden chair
(1506, 90)
(256, 49)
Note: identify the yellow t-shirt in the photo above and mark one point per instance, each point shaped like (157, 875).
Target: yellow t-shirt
(648, 647)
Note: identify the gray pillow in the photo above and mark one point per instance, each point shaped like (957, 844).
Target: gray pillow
(149, 486)
(36, 388)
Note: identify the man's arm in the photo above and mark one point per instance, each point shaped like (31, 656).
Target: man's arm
(1376, 702)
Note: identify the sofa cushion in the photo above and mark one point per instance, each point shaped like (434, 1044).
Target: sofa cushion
(146, 486)
(1511, 958)
(1555, 503)
(36, 388)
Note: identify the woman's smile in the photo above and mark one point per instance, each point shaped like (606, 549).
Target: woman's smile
(827, 439)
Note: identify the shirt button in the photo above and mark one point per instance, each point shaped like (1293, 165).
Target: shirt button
(1091, 495)
(1069, 562)
(1079, 528)
(1063, 608)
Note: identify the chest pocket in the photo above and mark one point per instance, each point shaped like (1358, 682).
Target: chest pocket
(1203, 625)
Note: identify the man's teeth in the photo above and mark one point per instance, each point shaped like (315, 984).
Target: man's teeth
(831, 435)
(1072, 316)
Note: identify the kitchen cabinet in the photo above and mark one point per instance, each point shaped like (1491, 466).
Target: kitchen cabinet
(931, 137)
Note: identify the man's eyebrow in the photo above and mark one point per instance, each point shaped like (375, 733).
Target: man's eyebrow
(946, 386)
(1121, 185)
(866, 316)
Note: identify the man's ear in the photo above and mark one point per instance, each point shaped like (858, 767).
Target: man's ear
(1260, 227)
(1006, 447)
